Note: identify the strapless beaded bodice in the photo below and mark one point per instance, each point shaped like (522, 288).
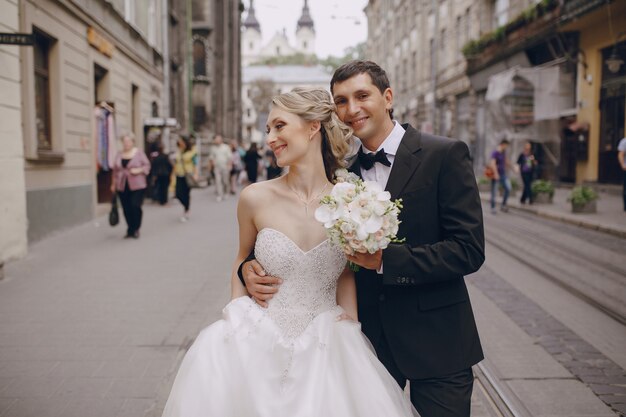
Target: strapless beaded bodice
(309, 279)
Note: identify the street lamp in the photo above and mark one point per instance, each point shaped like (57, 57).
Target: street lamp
(614, 62)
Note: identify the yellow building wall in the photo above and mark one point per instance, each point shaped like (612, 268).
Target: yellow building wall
(595, 35)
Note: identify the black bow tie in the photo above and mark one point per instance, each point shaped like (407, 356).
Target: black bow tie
(367, 160)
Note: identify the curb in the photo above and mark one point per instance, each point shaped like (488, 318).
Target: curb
(569, 220)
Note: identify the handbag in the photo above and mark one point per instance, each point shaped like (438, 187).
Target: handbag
(191, 181)
(489, 172)
(114, 215)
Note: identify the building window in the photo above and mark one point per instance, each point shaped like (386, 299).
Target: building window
(42, 46)
(458, 31)
(501, 13)
(248, 112)
(414, 70)
(199, 58)
(467, 31)
(432, 58)
(443, 44)
(199, 117)
(251, 45)
(405, 75)
(278, 50)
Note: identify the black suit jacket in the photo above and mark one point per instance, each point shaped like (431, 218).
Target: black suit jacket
(421, 302)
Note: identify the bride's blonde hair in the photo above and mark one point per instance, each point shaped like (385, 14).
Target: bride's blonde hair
(315, 104)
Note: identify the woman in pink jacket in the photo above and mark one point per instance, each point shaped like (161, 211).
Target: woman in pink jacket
(129, 181)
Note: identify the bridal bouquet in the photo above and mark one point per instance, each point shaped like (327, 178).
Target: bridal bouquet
(358, 215)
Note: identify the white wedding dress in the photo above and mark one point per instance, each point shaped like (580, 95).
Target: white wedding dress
(292, 359)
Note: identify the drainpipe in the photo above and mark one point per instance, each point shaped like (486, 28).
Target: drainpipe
(165, 133)
(435, 8)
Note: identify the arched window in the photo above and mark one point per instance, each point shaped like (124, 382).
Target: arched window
(199, 58)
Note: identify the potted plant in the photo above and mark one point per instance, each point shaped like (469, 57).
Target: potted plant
(484, 185)
(542, 191)
(583, 199)
(515, 186)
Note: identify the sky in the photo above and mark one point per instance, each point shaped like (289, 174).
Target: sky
(333, 35)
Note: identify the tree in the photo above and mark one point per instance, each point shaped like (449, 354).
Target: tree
(351, 53)
(331, 63)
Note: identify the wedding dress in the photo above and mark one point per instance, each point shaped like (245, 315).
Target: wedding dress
(292, 359)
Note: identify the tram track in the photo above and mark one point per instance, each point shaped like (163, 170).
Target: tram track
(599, 284)
(496, 396)
(619, 274)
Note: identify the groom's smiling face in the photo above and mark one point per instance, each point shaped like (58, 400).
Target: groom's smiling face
(363, 107)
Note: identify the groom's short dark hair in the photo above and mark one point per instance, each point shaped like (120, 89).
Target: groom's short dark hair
(352, 68)
(356, 67)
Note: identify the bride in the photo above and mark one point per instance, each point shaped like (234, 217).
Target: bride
(303, 355)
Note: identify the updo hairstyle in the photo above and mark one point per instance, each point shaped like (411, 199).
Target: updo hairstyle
(315, 104)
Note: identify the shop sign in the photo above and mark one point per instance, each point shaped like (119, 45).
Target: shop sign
(20, 39)
(98, 42)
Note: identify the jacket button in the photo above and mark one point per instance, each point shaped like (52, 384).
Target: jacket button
(381, 297)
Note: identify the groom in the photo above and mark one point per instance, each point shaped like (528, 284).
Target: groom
(413, 304)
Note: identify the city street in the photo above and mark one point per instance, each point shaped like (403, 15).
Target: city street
(92, 324)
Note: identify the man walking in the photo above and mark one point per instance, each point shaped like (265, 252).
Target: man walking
(220, 159)
(499, 164)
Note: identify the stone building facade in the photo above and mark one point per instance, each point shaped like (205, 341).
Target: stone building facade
(89, 54)
(261, 82)
(424, 45)
(216, 79)
(85, 53)
(13, 221)
(254, 50)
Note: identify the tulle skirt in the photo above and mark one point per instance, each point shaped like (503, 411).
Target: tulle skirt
(243, 366)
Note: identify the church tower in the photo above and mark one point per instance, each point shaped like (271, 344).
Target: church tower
(251, 42)
(305, 32)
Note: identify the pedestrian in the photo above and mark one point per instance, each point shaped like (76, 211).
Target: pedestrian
(220, 160)
(621, 157)
(251, 161)
(273, 170)
(526, 162)
(186, 165)
(499, 164)
(161, 172)
(130, 171)
(236, 166)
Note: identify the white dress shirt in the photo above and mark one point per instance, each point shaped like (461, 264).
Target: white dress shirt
(380, 173)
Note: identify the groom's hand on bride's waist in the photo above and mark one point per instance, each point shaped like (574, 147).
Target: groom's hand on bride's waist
(260, 286)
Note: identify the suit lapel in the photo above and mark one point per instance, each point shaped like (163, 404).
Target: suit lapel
(407, 159)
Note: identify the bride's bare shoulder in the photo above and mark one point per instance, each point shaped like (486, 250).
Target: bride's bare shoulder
(259, 191)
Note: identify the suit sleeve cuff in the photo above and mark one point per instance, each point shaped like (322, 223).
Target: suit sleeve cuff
(240, 269)
(391, 275)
